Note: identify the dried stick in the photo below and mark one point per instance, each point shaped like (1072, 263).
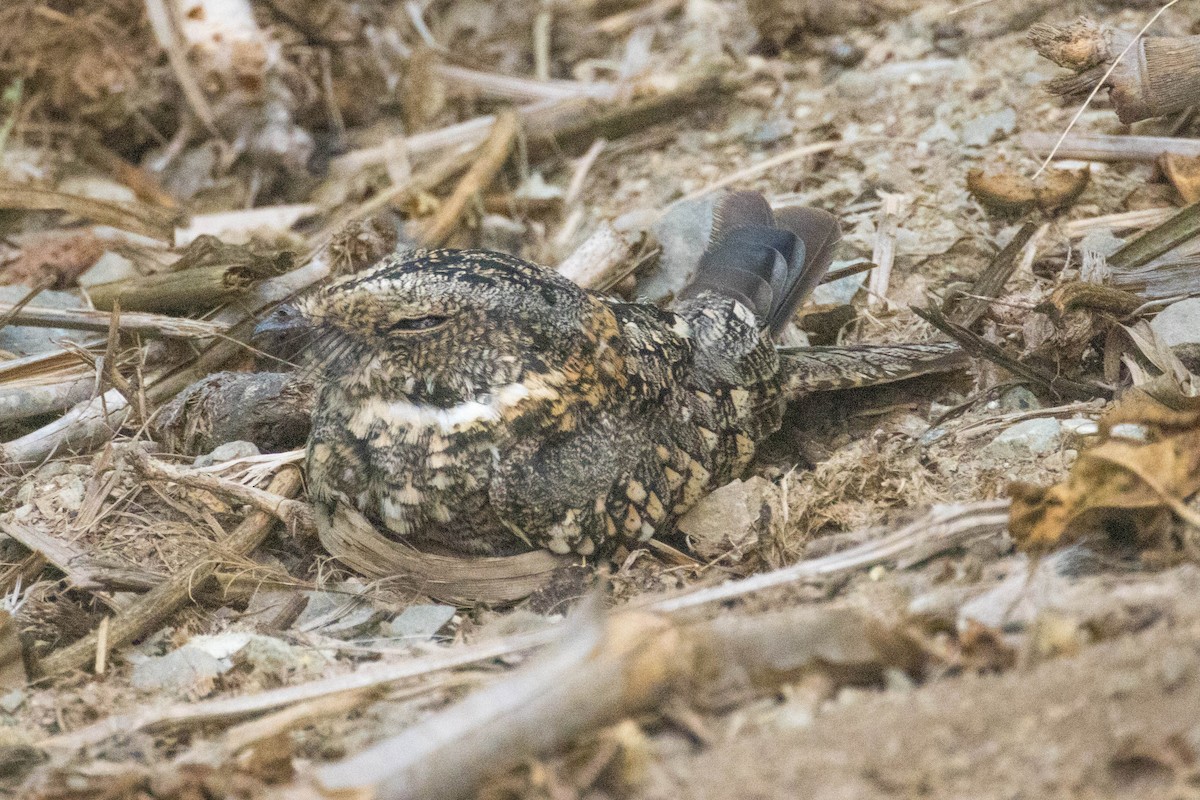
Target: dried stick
(227, 709)
(163, 26)
(293, 513)
(85, 320)
(512, 87)
(1157, 75)
(884, 253)
(139, 218)
(603, 259)
(979, 347)
(151, 609)
(560, 123)
(787, 157)
(66, 557)
(91, 424)
(1102, 147)
(604, 671)
(1180, 228)
(487, 163)
(991, 282)
(1115, 59)
(942, 528)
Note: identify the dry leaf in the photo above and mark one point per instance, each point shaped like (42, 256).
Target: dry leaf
(1117, 482)
(1004, 190)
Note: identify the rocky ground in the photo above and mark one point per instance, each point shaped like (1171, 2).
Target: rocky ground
(1062, 666)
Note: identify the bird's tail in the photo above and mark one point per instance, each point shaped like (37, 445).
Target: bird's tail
(768, 261)
(820, 369)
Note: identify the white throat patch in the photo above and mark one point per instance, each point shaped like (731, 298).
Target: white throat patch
(453, 419)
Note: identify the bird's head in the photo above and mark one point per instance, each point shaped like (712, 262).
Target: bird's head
(436, 326)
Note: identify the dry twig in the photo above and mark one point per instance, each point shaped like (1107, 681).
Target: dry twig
(147, 612)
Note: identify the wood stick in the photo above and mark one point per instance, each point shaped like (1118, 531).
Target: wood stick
(91, 424)
(66, 557)
(512, 87)
(226, 709)
(604, 671)
(991, 281)
(602, 259)
(293, 513)
(138, 218)
(943, 527)
(487, 163)
(979, 347)
(150, 610)
(85, 320)
(1157, 76)
(884, 254)
(1175, 231)
(1101, 147)
(561, 123)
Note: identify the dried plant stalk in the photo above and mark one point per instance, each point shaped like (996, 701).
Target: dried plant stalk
(1101, 147)
(487, 163)
(605, 671)
(153, 608)
(602, 260)
(1158, 76)
(100, 321)
(140, 218)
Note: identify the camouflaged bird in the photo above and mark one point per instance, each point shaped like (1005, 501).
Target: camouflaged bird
(476, 403)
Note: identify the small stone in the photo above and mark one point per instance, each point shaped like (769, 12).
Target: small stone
(498, 232)
(420, 622)
(279, 660)
(338, 613)
(25, 341)
(1132, 431)
(70, 494)
(939, 131)
(843, 52)
(733, 518)
(13, 700)
(1034, 437)
(536, 188)
(1178, 325)
(229, 451)
(1080, 426)
(682, 232)
(840, 292)
(1101, 241)
(771, 131)
(108, 268)
(188, 671)
(987, 128)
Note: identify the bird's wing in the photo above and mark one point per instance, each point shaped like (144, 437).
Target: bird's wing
(768, 261)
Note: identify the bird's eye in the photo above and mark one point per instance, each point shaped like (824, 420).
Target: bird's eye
(417, 324)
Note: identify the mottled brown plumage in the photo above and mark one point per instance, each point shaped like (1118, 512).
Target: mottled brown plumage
(476, 403)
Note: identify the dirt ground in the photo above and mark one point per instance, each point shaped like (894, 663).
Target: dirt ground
(1117, 720)
(1069, 673)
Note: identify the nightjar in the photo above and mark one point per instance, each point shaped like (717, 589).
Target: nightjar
(475, 403)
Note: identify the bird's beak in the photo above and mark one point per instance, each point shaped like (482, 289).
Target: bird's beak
(283, 334)
(284, 320)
